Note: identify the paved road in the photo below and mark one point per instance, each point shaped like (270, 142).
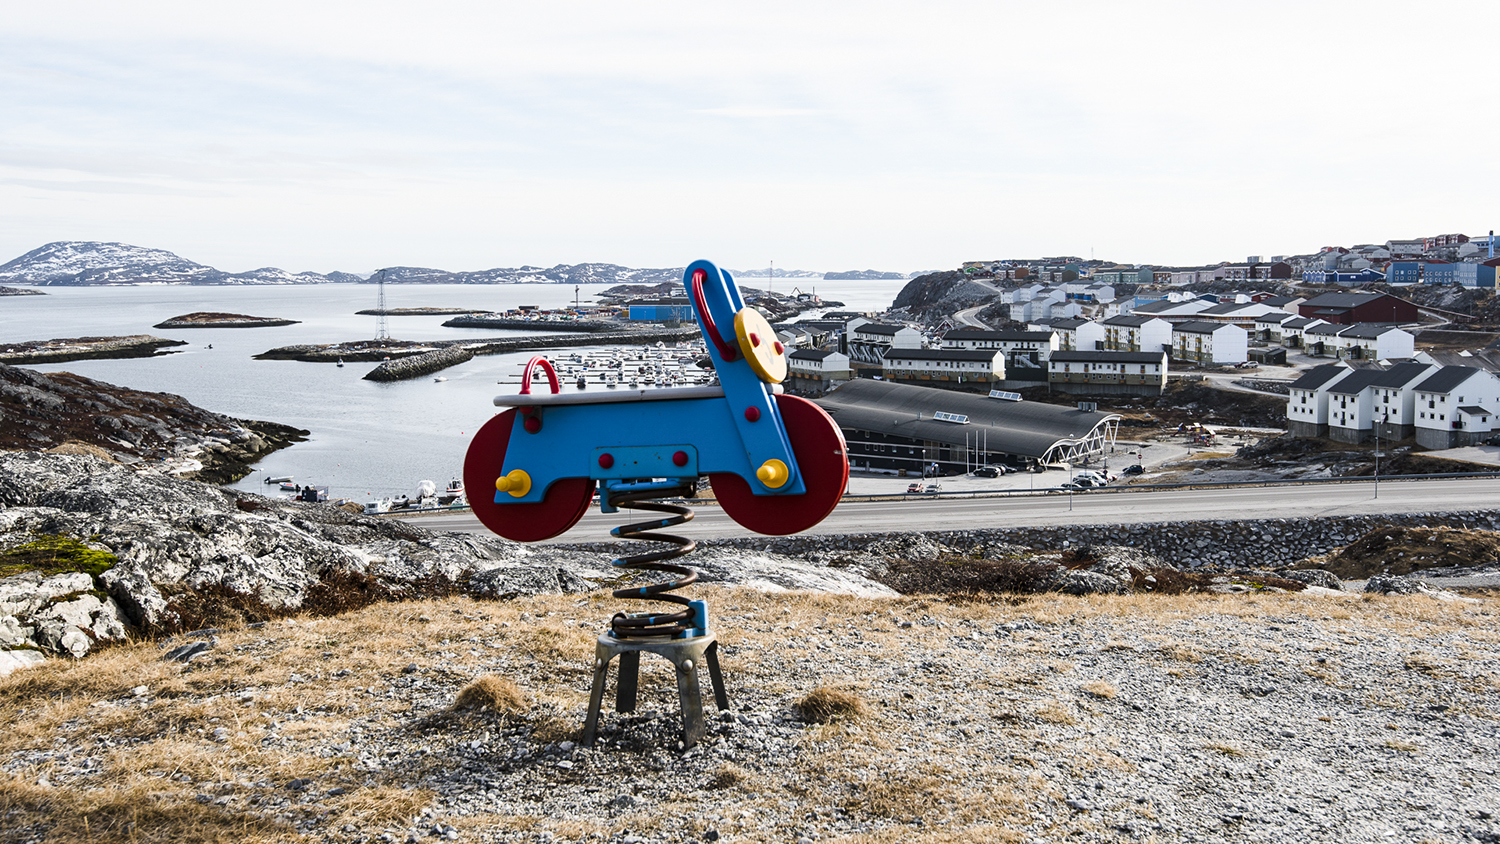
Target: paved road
(1094, 508)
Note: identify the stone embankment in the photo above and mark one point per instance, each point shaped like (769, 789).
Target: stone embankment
(378, 350)
(83, 348)
(417, 311)
(592, 326)
(419, 365)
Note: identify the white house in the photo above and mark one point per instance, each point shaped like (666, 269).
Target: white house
(1209, 342)
(959, 365)
(1137, 333)
(1293, 329)
(1394, 399)
(1375, 341)
(1307, 399)
(1456, 406)
(1126, 373)
(1172, 311)
(1242, 314)
(1076, 333)
(1020, 347)
(1268, 326)
(1351, 405)
(817, 370)
(868, 341)
(1361, 341)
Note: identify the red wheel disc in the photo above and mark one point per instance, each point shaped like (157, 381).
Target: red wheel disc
(822, 460)
(561, 507)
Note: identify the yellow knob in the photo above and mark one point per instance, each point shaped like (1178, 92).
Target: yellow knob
(773, 473)
(516, 482)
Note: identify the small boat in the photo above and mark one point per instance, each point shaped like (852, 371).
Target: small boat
(382, 505)
(288, 486)
(440, 379)
(279, 479)
(340, 364)
(582, 383)
(453, 494)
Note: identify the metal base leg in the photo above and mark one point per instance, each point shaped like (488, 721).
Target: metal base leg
(686, 655)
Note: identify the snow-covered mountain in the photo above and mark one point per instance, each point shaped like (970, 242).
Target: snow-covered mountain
(89, 263)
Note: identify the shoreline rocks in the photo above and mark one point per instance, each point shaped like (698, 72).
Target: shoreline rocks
(70, 413)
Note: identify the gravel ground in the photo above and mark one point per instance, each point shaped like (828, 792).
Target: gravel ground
(1264, 717)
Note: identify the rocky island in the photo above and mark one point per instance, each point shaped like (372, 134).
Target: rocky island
(204, 319)
(18, 291)
(73, 414)
(84, 348)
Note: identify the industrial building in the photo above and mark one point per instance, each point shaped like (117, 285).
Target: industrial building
(899, 427)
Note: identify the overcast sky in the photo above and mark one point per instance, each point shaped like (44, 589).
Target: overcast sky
(818, 135)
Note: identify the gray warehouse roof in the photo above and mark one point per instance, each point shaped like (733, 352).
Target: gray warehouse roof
(1026, 429)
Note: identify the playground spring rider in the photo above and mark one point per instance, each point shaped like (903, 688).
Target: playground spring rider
(777, 465)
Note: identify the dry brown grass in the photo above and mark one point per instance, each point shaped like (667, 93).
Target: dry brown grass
(1099, 689)
(827, 704)
(493, 693)
(1055, 712)
(138, 814)
(544, 646)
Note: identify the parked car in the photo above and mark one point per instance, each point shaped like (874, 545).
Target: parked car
(915, 488)
(933, 488)
(1075, 485)
(1136, 469)
(988, 472)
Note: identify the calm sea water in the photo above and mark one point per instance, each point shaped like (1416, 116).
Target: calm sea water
(368, 439)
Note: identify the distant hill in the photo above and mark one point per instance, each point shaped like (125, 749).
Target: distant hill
(863, 275)
(81, 263)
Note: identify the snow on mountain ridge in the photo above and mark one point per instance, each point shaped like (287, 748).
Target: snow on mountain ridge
(82, 263)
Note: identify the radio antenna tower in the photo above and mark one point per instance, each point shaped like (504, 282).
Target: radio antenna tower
(382, 330)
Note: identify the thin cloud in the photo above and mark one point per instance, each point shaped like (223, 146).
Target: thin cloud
(755, 112)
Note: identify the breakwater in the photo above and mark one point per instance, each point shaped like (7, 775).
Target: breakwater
(513, 324)
(416, 366)
(378, 350)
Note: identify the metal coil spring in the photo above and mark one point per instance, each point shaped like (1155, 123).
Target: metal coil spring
(679, 625)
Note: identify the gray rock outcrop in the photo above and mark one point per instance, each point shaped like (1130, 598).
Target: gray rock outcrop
(172, 537)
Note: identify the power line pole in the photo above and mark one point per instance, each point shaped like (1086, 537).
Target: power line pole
(382, 328)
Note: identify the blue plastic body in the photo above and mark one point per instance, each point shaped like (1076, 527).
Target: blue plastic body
(669, 438)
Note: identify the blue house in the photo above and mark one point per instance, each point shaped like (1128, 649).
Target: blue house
(1364, 276)
(667, 310)
(1440, 273)
(1474, 275)
(1404, 272)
